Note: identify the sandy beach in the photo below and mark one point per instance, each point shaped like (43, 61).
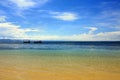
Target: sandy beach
(19, 65)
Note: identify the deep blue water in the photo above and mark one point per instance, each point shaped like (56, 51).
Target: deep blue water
(63, 45)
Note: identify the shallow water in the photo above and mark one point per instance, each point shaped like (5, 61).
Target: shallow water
(64, 63)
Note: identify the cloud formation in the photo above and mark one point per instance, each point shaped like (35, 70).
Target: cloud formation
(102, 36)
(10, 30)
(92, 29)
(23, 3)
(66, 16)
(106, 21)
(2, 18)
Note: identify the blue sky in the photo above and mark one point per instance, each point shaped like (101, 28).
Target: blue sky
(81, 20)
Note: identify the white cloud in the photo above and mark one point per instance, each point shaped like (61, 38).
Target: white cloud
(23, 3)
(2, 18)
(92, 29)
(66, 16)
(9, 30)
(90, 36)
(106, 36)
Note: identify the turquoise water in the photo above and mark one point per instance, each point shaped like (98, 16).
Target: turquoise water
(102, 59)
(59, 62)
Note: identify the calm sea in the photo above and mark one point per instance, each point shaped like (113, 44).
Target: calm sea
(63, 45)
(60, 61)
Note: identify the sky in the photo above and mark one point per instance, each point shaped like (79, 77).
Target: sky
(73, 20)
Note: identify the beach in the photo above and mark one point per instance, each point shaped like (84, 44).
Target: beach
(59, 39)
(60, 64)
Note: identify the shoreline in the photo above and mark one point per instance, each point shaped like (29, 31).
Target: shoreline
(48, 65)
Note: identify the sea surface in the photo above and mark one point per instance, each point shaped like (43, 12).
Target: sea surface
(60, 61)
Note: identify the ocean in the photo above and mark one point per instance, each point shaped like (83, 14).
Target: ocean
(60, 60)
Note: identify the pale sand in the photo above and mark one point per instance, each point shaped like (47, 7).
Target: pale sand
(10, 73)
(36, 67)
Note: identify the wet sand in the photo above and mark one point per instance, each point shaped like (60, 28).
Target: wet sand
(46, 65)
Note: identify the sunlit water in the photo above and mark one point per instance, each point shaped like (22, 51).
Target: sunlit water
(59, 62)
